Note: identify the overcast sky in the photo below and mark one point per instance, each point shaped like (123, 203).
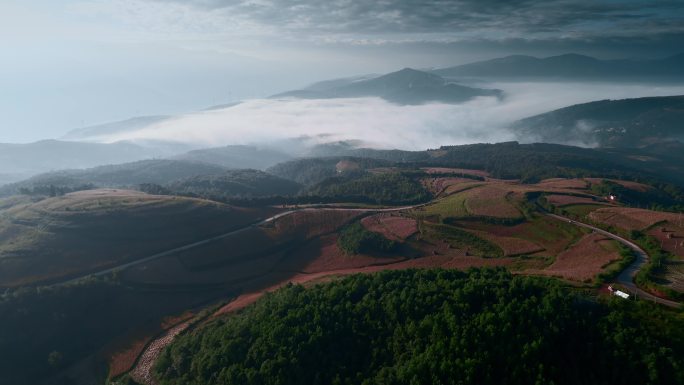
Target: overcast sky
(70, 63)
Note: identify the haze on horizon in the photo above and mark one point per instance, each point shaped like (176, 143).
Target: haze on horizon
(73, 63)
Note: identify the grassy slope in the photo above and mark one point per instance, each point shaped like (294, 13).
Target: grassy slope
(81, 232)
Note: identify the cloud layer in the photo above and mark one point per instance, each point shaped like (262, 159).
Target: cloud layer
(378, 123)
(487, 19)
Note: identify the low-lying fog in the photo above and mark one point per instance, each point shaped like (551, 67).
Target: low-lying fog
(381, 124)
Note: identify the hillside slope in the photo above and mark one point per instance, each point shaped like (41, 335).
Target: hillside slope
(81, 232)
(237, 157)
(157, 171)
(235, 183)
(609, 123)
(47, 155)
(570, 67)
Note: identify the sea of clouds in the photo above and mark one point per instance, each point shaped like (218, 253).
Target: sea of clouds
(378, 123)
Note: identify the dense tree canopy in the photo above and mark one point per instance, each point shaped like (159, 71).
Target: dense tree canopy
(356, 239)
(432, 327)
(387, 188)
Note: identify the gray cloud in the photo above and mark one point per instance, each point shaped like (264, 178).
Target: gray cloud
(490, 19)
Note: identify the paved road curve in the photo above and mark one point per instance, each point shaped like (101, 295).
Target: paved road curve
(626, 277)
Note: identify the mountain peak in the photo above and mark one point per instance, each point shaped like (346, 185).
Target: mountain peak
(410, 77)
(570, 58)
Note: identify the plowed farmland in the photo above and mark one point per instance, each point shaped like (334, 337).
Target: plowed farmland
(585, 259)
(392, 226)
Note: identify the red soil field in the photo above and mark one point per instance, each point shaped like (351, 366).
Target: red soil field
(456, 188)
(671, 237)
(450, 185)
(585, 259)
(631, 218)
(123, 357)
(564, 200)
(142, 372)
(511, 246)
(391, 226)
(323, 255)
(122, 361)
(447, 170)
(382, 170)
(443, 261)
(578, 184)
(310, 223)
(625, 183)
(490, 201)
(245, 255)
(547, 233)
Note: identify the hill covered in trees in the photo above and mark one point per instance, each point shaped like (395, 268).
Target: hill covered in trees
(158, 171)
(234, 183)
(384, 188)
(569, 67)
(237, 157)
(431, 327)
(609, 123)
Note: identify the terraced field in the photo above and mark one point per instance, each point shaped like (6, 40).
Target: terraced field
(579, 184)
(632, 218)
(581, 211)
(491, 201)
(392, 226)
(585, 259)
(452, 206)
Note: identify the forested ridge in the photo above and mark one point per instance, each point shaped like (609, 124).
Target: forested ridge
(388, 188)
(483, 326)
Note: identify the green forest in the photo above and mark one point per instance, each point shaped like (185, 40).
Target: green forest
(483, 326)
(388, 188)
(355, 239)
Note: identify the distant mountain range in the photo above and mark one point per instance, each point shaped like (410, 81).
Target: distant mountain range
(21, 161)
(100, 130)
(46, 155)
(158, 171)
(568, 66)
(408, 87)
(609, 123)
(171, 175)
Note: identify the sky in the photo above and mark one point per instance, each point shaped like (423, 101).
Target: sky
(66, 64)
